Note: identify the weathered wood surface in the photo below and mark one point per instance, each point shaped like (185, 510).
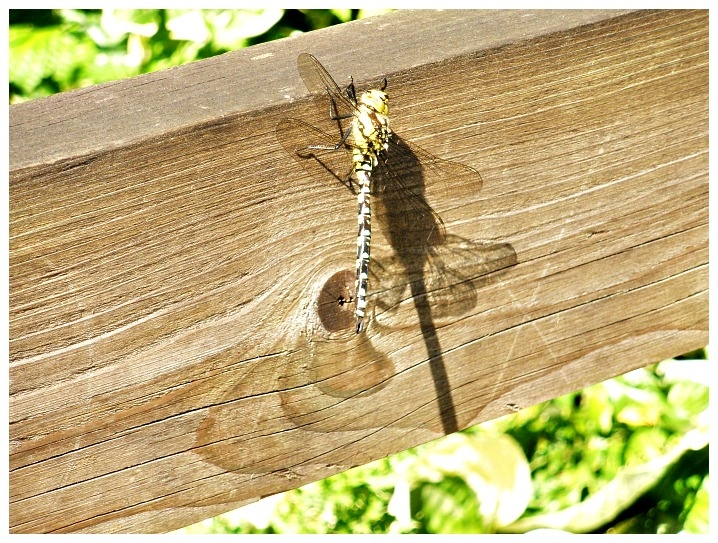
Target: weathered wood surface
(176, 349)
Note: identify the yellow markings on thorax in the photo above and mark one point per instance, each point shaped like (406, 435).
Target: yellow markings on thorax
(371, 130)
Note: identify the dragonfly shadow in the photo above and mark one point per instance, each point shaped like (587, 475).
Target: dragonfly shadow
(439, 270)
(330, 380)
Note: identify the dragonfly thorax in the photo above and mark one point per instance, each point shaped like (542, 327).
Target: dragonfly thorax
(371, 130)
(376, 100)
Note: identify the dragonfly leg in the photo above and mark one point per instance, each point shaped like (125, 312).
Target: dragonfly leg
(331, 148)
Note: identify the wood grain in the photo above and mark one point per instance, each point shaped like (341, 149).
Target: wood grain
(176, 345)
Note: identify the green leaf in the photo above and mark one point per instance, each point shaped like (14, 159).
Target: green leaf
(446, 507)
(231, 29)
(698, 514)
(51, 52)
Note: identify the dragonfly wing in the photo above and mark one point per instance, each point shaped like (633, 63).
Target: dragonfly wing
(401, 185)
(451, 275)
(296, 135)
(322, 85)
(402, 208)
(446, 176)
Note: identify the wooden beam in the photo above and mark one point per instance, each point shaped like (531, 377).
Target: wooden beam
(177, 348)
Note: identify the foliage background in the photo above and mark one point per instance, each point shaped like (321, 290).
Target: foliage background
(58, 50)
(629, 455)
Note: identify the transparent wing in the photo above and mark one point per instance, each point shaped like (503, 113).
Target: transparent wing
(326, 164)
(451, 275)
(444, 173)
(320, 83)
(400, 185)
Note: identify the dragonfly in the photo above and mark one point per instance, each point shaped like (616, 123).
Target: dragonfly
(371, 160)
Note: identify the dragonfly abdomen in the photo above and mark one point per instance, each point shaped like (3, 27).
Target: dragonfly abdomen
(363, 241)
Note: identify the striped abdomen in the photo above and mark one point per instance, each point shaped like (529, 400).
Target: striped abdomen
(363, 176)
